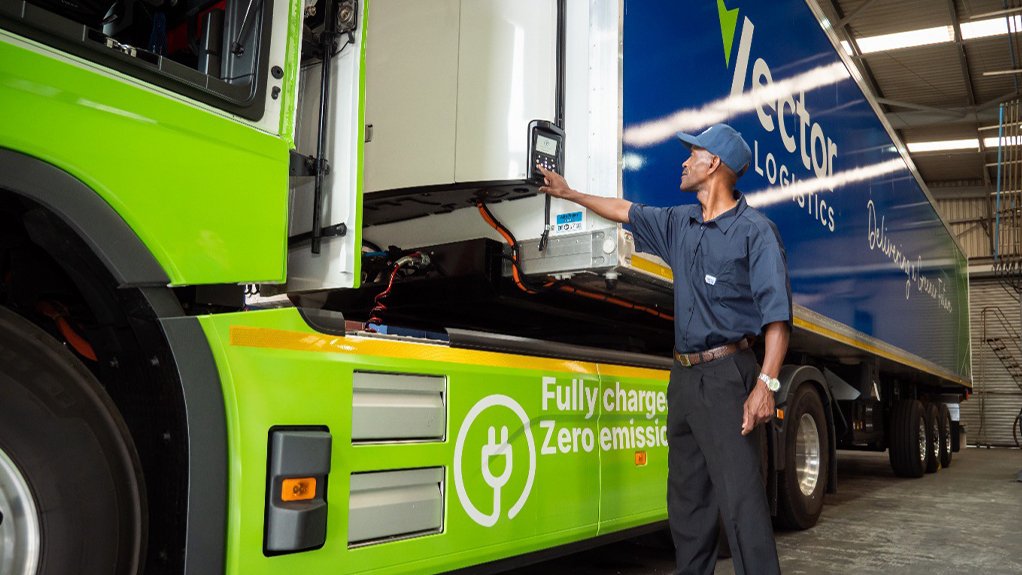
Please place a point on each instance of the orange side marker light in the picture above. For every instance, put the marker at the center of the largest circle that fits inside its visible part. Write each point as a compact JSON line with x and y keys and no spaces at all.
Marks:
{"x":780,"y":414}
{"x":640,"y":458}
{"x":298,"y":489}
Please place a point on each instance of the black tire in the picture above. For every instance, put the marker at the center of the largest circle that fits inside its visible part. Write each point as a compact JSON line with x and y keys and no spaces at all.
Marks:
{"x":797,"y":509}
{"x":908,"y":459}
{"x":956,"y":436}
{"x":932,"y":413}
{"x":70,"y":447}
{"x":946,"y":449}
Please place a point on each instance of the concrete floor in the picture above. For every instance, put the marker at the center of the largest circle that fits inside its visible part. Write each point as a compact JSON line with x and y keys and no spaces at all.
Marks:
{"x":964,"y":519}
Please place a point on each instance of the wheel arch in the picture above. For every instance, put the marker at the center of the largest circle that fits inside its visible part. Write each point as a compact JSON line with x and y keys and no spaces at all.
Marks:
{"x":92,"y":219}
{"x":119,"y":252}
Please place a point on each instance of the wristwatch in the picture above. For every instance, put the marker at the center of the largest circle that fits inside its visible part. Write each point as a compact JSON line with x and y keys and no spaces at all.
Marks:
{"x":772,"y":383}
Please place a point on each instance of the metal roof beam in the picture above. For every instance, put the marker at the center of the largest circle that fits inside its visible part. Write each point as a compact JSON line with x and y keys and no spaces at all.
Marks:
{"x":963,"y":59}
{"x":1000,"y":100}
{"x":957,"y":112}
{"x":846,"y":19}
{"x":987,"y":111}
{"x":953,"y":191}
{"x":924,"y":118}
{"x":842,"y":30}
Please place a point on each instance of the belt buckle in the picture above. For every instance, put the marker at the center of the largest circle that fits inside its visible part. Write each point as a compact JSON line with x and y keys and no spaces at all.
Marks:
{"x":683,"y":360}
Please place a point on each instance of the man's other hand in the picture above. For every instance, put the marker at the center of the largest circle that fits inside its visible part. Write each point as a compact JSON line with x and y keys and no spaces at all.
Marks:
{"x":759,"y":407}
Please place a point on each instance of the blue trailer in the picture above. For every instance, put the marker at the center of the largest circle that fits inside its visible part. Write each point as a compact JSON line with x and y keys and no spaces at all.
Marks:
{"x":879,"y":282}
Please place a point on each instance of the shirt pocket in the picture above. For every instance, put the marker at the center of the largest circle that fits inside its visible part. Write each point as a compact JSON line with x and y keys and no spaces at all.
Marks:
{"x":722,"y":282}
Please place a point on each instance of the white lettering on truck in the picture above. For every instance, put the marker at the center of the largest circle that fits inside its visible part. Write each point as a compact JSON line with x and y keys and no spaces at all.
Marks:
{"x":792,"y":120}
{"x":645,"y":428}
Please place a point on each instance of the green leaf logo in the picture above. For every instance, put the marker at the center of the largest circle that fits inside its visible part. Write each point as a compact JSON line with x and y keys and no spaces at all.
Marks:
{"x":728,"y":23}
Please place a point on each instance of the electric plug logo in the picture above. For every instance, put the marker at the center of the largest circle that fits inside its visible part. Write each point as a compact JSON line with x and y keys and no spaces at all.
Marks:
{"x":493,"y":453}
{"x":492,"y":450}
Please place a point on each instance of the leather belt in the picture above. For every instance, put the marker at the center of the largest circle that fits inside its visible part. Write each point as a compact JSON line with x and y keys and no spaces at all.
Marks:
{"x":690,"y":359}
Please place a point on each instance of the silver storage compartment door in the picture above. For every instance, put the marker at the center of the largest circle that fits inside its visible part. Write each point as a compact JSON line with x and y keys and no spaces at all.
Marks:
{"x":393,"y":504}
{"x":398,"y":407}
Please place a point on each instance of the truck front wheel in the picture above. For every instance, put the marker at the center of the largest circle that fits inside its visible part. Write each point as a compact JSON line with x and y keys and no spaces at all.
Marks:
{"x":70,"y":495}
{"x":908,"y":439}
{"x":806,"y":461}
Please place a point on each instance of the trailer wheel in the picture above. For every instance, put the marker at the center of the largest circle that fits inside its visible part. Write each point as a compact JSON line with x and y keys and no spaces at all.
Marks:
{"x":806,"y":461}
{"x":70,"y":495}
{"x":932,"y":437}
{"x":945,"y":435}
{"x":956,"y":436}
{"x":908,"y":439}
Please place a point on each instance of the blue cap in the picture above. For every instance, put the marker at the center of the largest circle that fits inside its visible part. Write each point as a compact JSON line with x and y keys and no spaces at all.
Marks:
{"x":724,"y":142}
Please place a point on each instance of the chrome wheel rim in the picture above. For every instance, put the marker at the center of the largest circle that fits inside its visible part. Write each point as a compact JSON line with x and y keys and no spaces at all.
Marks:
{"x":947,"y":439}
{"x":807,"y":454}
{"x":19,"y":526}
{"x":936,"y":439}
{"x":922,"y":440}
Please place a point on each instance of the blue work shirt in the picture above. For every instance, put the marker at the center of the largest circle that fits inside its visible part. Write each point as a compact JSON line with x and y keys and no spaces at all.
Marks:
{"x":730,"y":273}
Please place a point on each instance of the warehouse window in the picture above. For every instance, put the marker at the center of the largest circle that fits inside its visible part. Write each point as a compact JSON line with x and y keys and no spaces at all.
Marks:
{"x":211,"y":50}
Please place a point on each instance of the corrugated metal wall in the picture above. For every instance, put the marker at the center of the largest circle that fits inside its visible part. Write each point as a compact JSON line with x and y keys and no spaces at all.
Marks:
{"x":966,"y":216}
{"x":989,"y":414}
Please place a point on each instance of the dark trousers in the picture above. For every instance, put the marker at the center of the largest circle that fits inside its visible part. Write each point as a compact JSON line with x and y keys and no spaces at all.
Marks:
{"x":714,"y":470}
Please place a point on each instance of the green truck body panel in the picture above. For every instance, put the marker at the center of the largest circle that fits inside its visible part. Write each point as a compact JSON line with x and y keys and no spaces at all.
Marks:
{"x":205,"y":193}
{"x":587,"y":479}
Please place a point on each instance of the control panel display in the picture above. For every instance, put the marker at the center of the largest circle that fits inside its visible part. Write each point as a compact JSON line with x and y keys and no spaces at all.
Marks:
{"x":546,"y":145}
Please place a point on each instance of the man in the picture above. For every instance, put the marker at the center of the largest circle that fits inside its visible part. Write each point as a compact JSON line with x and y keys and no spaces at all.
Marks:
{"x":730,"y":285}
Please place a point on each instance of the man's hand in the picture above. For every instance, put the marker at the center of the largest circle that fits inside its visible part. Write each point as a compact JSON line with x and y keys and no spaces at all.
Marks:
{"x":614,"y":209}
{"x":759,"y":407}
{"x":556,"y":185}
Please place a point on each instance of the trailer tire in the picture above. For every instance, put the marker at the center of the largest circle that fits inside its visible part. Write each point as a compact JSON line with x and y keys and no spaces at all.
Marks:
{"x":908,"y":439}
{"x":946,"y":449}
{"x":956,"y":436}
{"x":806,"y":461}
{"x":68,"y":467}
{"x":932,"y":437}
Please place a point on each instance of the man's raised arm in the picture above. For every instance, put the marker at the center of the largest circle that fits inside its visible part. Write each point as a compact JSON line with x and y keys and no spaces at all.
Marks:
{"x":614,"y":209}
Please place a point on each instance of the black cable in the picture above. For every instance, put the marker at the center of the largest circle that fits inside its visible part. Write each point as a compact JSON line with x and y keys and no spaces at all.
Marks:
{"x":562,"y":30}
{"x":348,"y":42}
{"x":545,"y":237}
{"x":558,"y":106}
{"x":327,"y":39}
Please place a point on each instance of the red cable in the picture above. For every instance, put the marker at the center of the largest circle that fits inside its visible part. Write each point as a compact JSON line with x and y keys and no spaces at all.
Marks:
{"x":58,"y":313}
{"x":380,"y":307}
